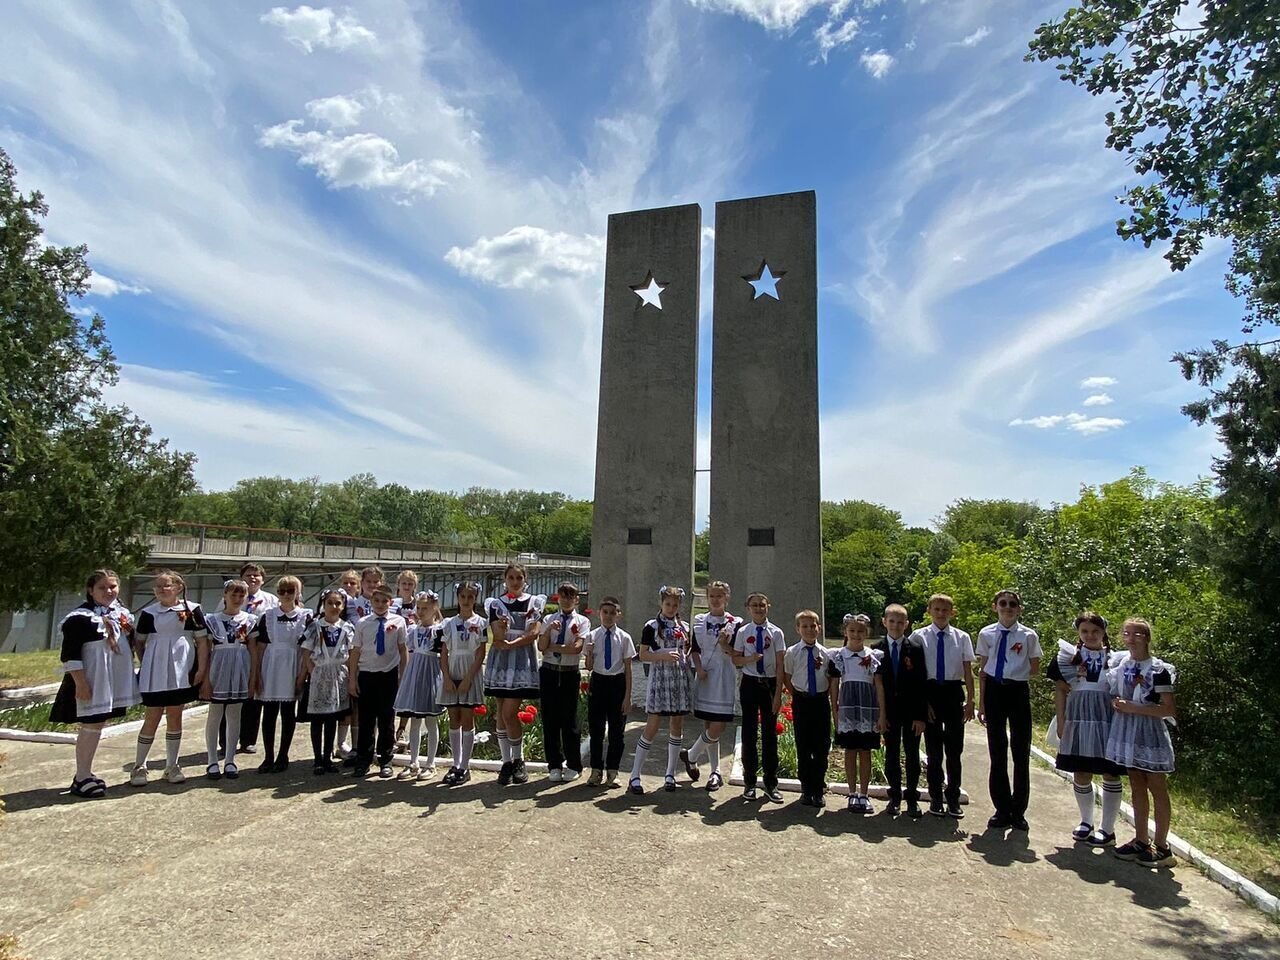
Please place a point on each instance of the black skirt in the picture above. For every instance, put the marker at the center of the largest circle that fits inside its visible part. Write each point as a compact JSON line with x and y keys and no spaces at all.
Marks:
{"x":1076,"y":763}
{"x":858,"y":741}
{"x":171,"y":698}
{"x":714,"y":717}
{"x":65,"y":706}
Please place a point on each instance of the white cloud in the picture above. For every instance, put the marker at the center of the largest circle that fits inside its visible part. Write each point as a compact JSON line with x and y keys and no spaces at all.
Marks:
{"x":975,"y":38}
{"x":1097,"y":400}
{"x":835,"y":33}
{"x":337,"y":112}
{"x":362,"y":160}
{"x":770,"y":14}
{"x":307,"y":28}
{"x":878,"y":64}
{"x":528,"y":257}
{"x":1094,"y":383}
{"x":1040,"y":423}
{"x":1091,"y":425}
{"x":103,"y":286}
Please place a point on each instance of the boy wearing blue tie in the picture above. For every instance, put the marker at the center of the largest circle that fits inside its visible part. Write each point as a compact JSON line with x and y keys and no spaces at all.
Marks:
{"x":609,"y":652}
{"x":903,"y":674}
{"x":948,"y":653}
{"x":1008,"y":656}
{"x":758,"y":648}
{"x":804,"y":674}
{"x":378,"y":656}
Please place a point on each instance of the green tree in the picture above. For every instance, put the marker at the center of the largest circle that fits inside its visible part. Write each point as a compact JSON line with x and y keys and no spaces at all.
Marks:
{"x":971,"y":578}
{"x":702,"y":550}
{"x":567,"y":530}
{"x":990,"y":523}
{"x":81,"y":480}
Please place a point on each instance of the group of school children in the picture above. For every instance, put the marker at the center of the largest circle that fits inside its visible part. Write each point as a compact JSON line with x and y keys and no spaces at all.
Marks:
{"x":367,"y":656}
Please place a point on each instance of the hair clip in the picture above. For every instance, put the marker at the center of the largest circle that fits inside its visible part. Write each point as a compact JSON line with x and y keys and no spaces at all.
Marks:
{"x":856,"y":618}
{"x":328,"y":591}
{"x":671,"y":592}
{"x":471,"y":585}
{"x":426,"y":595}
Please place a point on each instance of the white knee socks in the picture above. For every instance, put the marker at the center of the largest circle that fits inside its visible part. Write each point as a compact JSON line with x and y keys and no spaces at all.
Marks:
{"x":86,"y":746}
{"x":642,"y":751}
{"x":504,"y":745}
{"x":674,"y":746}
{"x":144,"y":747}
{"x":455,"y":747}
{"x":1111,"y":795}
{"x":433,"y":740}
{"x":468,"y":741}
{"x":1084,"y":800}
{"x":172,"y":743}
{"x":713,"y":754}
{"x":213,"y":719}
{"x":517,"y":748}
{"x":415,"y":740}
{"x":698,"y":746}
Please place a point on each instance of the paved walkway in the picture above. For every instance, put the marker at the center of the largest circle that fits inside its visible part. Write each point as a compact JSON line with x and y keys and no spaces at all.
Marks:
{"x":296,"y":866}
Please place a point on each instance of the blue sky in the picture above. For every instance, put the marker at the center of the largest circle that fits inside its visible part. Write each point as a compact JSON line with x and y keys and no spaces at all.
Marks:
{"x":370,"y":238}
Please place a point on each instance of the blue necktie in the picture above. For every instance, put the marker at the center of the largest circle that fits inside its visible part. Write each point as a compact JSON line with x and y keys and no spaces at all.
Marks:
{"x":760,"y":650}
{"x":564,"y":625}
{"x":608,"y":649}
{"x":1000,"y":654}
{"x":893,"y":649}
{"x":381,"y":646}
{"x":813,"y":672}
{"x":942,"y":656}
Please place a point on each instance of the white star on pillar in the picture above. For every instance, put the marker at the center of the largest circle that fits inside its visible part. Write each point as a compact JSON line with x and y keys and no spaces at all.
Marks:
{"x":765,"y":283}
{"x":650,"y":291}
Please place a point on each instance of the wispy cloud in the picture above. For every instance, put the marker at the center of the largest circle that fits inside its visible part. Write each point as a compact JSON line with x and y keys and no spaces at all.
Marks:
{"x":1077,"y":422}
{"x":975,"y":38}
{"x":308,"y":28}
{"x":1097,"y":400}
{"x":337,"y":112}
{"x":104,"y":286}
{"x":878,"y":64}
{"x":528,"y":257}
{"x":1040,"y":423}
{"x":1095,"y":383}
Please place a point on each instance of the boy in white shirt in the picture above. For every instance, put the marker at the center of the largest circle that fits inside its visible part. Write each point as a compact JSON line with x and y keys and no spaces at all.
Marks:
{"x":378,"y":657}
{"x":559,"y":678}
{"x":804,"y":674}
{"x":609,"y":651}
{"x":758,"y":647}
{"x":1008,"y":656}
{"x":948,"y":653}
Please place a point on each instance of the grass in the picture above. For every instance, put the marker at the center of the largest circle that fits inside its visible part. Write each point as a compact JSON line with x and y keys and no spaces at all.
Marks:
{"x":35,"y":717}
{"x":1244,"y":841}
{"x":29,"y":669}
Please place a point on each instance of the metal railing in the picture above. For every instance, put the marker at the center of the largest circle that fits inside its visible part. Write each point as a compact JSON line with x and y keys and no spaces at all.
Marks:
{"x":215,"y":541}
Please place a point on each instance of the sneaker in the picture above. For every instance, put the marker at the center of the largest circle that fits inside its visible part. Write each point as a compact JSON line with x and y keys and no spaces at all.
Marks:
{"x":913,"y":810}
{"x":464,"y":776}
{"x":669,"y":784}
{"x":851,"y":805}
{"x":504,"y":774}
{"x":1131,"y":850}
{"x":1000,"y":821}
{"x":409,"y":773}
{"x":1020,"y":823}
{"x":748,"y":793}
{"x":937,"y":809}
{"x":611,"y":778}
{"x":386,"y":772}
{"x":893,"y":808}
{"x":1154,"y":856}
{"x":1082,"y":833}
{"x":341,"y":751}
{"x":213,"y":772}
{"x":714,"y":782}
{"x":175,"y":774}
{"x":954,"y":811}
{"x":690,"y":767}
{"x":556,"y":775}
{"x":596,"y":778}
{"x":571,"y":775}
{"x":426,"y":773}
{"x":1100,"y":839}
{"x":867,"y":806}
{"x":773,"y":794}
{"x":635,"y":786}
{"x":230,"y":771}
{"x":518,"y":772}
{"x":450,"y":777}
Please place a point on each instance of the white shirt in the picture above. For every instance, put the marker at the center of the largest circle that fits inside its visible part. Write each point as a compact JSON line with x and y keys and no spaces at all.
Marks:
{"x":795,"y":662}
{"x":260,"y":603}
{"x":745,"y":642}
{"x":1021,"y":647}
{"x":366,"y":641}
{"x":957,"y":651}
{"x":576,"y":625}
{"x":622,"y":650}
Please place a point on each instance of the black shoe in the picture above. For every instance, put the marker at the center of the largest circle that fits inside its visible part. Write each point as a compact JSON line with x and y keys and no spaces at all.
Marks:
{"x":361,"y":771}
{"x":773,"y":794}
{"x":913,"y":810}
{"x":669,"y":784}
{"x":714,"y":782}
{"x":385,"y":771}
{"x":318,"y":769}
{"x":1020,"y":823}
{"x":267,"y":766}
{"x":351,"y":761}
{"x":518,"y":772}
{"x":281,"y":765}
{"x":635,"y":786}
{"x":937,"y":809}
{"x":464,"y":776}
{"x":450,"y":777}
{"x":999,"y":821}
{"x":893,"y":808}
{"x":331,"y":767}
{"x":504,"y":774}
{"x":954,"y":811}
{"x":748,"y":793}
{"x":689,"y":767}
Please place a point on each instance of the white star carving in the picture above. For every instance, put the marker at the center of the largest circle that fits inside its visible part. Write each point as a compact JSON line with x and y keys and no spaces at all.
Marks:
{"x":650,"y":291}
{"x":765,"y":283}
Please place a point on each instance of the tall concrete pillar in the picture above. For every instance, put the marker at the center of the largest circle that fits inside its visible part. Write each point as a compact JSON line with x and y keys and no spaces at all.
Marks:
{"x":646,"y":442}
{"x":766,"y":532}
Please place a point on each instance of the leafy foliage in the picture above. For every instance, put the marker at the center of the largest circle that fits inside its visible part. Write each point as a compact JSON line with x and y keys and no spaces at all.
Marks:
{"x":80,"y":480}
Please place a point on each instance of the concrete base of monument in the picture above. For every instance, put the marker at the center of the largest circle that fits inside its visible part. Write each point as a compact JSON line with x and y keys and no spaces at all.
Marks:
{"x":877,"y":791}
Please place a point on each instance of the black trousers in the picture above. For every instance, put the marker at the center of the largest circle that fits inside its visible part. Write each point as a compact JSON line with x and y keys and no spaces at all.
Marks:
{"x":813,"y":740}
{"x":561,"y":735}
{"x":945,"y":735}
{"x":250,"y":722}
{"x":901,"y":744}
{"x":756,"y":694}
{"x":1007,"y":707}
{"x":605,"y":709}
{"x":377,"y":716}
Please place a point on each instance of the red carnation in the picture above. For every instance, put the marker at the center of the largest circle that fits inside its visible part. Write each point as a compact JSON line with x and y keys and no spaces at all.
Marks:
{"x":525,"y":717}
{"x":1017,"y":647}
{"x":780,"y":727}
{"x":584,"y":686}
{"x":481,"y":710}
{"x":532,"y":709}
